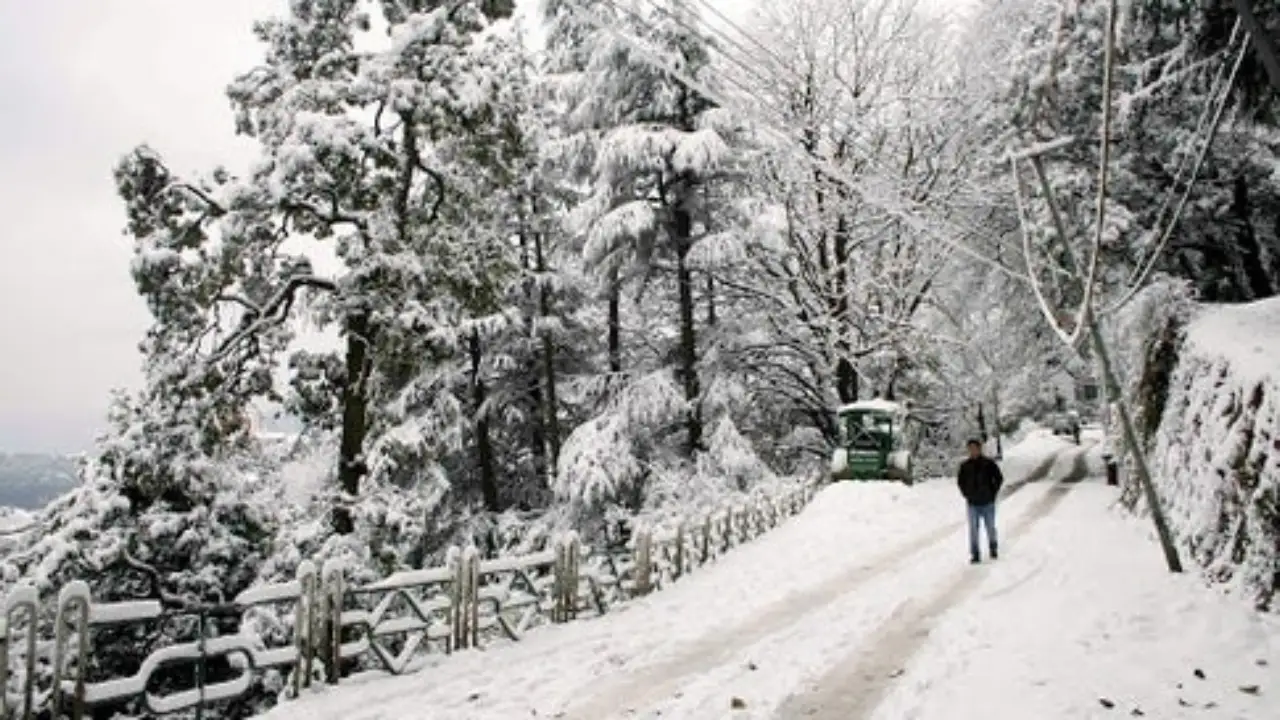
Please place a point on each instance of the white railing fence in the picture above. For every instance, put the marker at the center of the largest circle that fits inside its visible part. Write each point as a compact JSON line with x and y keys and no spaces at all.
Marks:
{"x":283,"y":637}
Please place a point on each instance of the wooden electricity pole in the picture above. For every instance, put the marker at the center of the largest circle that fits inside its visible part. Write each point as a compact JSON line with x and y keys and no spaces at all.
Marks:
{"x":1087,"y":317}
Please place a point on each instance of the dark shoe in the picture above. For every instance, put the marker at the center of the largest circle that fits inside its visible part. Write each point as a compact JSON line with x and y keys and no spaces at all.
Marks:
{"x":975,"y":560}
{"x":994,"y":554}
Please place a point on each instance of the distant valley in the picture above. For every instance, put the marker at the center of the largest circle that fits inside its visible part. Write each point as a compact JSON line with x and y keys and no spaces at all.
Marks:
{"x":30,"y":481}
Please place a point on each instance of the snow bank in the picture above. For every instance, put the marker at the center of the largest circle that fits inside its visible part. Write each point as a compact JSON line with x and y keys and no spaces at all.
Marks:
{"x":1216,"y":452}
{"x":1030,"y":451}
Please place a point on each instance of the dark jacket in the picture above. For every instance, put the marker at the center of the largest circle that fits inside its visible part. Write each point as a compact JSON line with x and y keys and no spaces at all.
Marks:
{"x":980,"y":480}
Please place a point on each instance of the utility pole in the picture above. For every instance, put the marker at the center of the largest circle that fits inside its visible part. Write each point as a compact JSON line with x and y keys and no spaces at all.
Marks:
{"x":1115,"y":394}
{"x":1087,"y":317}
{"x":1262,"y":41}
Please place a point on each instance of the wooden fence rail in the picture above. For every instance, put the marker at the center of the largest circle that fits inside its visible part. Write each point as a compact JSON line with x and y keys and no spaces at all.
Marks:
{"x":317,"y":628}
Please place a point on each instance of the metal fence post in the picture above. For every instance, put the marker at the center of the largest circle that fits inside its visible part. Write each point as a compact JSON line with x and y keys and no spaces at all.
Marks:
{"x":463,"y":611}
{"x":558,"y":572}
{"x":332,"y":593}
{"x":303,"y":625}
{"x":680,"y":533}
{"x":73,"y":607}
{"x":4,"y":667}
{"x":201,"y":669}
{"x":643,"y":562}
{"x":566,"y":578}
{"x":453,"y":561}
{"x":471,"y":600}
{"x":21,"y":600}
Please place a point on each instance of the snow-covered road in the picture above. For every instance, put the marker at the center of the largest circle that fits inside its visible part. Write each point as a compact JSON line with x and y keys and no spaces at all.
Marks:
{"x":865,"y":606}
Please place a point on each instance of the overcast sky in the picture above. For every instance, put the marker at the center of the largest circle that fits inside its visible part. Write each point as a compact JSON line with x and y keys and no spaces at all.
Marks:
{"x":81,"y":83}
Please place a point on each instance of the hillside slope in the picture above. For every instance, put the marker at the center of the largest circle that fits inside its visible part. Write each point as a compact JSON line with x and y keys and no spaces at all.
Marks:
{"x":1216,"y":453}
{"x":31,"y":480}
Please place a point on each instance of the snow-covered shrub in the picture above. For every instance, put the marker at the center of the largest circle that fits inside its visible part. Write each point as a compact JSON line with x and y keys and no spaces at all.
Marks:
{"x":1146,"y":336}
{"x":607,"y":459}
{"x":617,"y":469}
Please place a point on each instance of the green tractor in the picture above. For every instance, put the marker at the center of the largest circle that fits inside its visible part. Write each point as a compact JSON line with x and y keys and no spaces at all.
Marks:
{"x":874,"y":442}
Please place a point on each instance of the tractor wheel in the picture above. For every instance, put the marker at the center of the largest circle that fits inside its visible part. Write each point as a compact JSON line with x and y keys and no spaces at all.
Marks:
{"x":901,"y":470}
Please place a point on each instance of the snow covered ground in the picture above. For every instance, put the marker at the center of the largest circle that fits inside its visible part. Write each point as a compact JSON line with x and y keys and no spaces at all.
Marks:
{"x":865,"y":606}
{"x":1081,"y":614}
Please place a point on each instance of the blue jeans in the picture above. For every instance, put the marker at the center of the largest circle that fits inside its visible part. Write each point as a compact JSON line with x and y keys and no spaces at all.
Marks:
{"x":986,"y":514}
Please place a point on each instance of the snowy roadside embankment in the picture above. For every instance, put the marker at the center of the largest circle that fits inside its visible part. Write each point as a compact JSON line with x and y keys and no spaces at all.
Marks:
{"x":1216,"y":453}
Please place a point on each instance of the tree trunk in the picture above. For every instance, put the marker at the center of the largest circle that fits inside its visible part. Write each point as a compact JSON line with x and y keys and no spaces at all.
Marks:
{"x":550,"y":396}
{"x":537,"y":422}
{"x":530,"y":263}
{"x":846,"y":373}
{"x":682,"y":232}
{"x":711,"y":300}
{"x":995,"y":423}
{"x":846,"y":380}
{"x":1254,"y":269}
{"x":615,"y":323}
{"x":355,"y":417}
{"x":484,"y":443}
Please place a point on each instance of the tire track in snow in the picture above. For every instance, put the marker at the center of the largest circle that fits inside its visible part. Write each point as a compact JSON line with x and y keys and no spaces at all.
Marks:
{"x":647,"y":684}
{"x":857,"y":685}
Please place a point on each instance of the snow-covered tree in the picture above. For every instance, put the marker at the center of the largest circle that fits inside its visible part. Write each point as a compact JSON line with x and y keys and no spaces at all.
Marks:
{"x":858,"y":92}
{"x":658,"y":172}
{"x":366,"y":216}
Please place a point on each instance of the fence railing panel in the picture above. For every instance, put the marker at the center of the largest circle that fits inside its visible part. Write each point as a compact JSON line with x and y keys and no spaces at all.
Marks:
{"x":318,"y":627}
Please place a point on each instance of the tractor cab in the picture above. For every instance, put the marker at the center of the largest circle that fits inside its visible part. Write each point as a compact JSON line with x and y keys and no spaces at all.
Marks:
{"x":873,"y":443}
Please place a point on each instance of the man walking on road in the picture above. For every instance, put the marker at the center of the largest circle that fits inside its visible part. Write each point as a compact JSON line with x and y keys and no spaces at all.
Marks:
{"x":980,"y":480}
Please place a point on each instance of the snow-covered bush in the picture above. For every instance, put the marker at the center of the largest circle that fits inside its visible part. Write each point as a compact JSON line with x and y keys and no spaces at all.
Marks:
{"x":1146,"y":334}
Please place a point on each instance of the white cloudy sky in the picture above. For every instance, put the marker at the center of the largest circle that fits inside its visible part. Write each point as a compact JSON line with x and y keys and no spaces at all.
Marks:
{"x":82,"y":82}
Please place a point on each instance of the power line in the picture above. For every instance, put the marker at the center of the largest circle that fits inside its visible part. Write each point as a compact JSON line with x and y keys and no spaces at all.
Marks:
{"x":1212,"y":108}
{"x":1137,"y":281}
{"x":780,"y":65}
